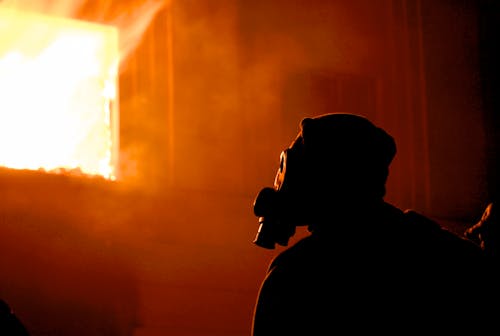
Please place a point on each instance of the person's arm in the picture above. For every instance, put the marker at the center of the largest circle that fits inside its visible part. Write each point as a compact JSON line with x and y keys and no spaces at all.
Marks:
{"x":486,"y":232}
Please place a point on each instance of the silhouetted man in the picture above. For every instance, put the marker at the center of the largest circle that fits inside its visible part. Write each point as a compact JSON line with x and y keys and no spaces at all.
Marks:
{"x":367,"y":267}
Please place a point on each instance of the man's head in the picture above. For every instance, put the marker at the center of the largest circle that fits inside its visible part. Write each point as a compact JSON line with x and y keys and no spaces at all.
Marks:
{"x":337,"y":162}
{"x":343,"y":156}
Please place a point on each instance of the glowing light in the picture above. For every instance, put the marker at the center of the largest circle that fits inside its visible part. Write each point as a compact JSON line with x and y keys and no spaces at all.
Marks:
{"x":59,"y":94}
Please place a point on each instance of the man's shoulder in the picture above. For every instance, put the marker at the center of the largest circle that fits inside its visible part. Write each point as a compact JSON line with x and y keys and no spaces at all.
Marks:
{"x":443,"y":246}
{"x":430,"y":228}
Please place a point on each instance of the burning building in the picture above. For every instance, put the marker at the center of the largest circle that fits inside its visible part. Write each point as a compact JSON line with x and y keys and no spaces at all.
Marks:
{"x":135,"y":134}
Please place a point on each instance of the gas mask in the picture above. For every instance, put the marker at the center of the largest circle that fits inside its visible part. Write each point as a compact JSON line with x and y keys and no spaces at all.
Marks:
{"x":281,"y":208}
{"x":337,"y":161}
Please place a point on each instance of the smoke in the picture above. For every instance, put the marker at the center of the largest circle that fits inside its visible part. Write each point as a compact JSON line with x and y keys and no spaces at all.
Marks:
{"x":133,"y":22}
{"x":132,"y":18}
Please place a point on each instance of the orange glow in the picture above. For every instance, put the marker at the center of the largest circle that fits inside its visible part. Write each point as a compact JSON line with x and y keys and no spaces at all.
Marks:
{"x":59,"y":94}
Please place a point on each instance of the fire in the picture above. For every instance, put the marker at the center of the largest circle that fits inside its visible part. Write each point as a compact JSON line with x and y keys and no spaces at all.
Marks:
{"x":58,"y":94}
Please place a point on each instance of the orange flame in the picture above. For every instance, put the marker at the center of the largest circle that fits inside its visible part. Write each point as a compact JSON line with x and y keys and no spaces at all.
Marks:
{"x":58,"y":78}
{"x":58,"y":81}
